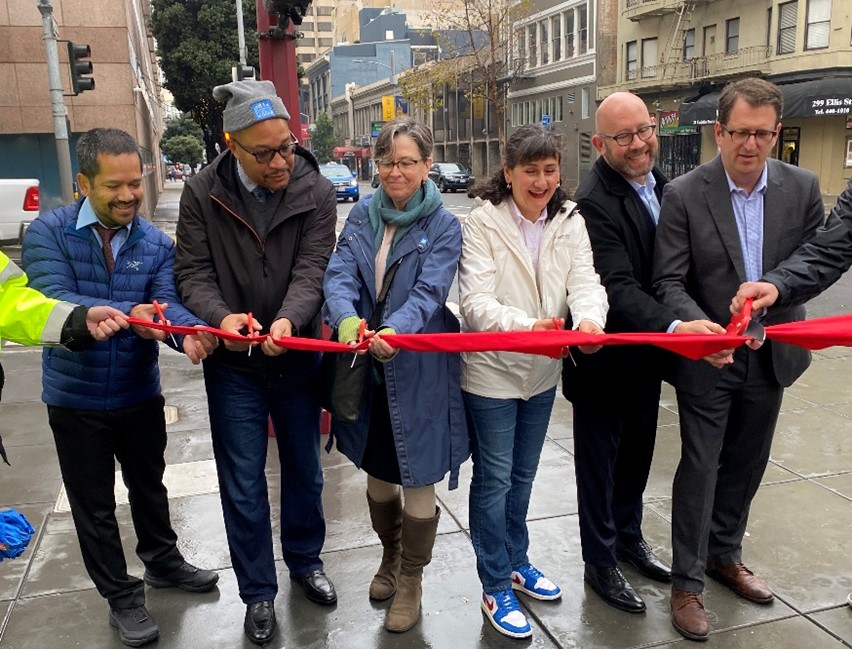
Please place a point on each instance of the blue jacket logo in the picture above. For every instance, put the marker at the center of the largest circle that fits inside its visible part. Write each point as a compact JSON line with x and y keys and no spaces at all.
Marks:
{"x":133,"y":265}
{"x":424,"y":241}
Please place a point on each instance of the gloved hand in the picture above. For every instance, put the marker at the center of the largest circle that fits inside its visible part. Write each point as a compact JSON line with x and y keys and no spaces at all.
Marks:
{"x":347,"y":330}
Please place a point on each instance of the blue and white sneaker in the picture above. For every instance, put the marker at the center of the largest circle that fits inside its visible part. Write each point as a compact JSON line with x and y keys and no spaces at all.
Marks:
{"x":529,"y":580}
{"x":504,"y":613}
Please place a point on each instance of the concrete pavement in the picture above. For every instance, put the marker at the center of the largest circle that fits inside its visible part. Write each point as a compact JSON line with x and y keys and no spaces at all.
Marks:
{"x":800,"y":536}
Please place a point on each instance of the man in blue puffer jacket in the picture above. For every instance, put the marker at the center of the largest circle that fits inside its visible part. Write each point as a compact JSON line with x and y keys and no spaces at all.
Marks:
{"x":105,"y":404}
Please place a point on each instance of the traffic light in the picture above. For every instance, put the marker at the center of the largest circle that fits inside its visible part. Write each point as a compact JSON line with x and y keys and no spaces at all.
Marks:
{"x":79,"y":67}
{"x":243,"y":73}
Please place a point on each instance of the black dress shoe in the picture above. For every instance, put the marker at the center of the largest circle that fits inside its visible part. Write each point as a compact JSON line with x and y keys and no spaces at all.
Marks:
{"x":613,"y":588}
{"x":260,"y":624}
{"x":642,"y":557}
{"x":318,"y":588}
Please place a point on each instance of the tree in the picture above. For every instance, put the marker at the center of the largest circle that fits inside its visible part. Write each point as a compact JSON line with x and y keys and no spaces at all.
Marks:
{"x":322,"y":138}
{"x":183,"y":148}
{"x":197,"y":45}
{"x":182,"y":125}
{"x":476,"y":40}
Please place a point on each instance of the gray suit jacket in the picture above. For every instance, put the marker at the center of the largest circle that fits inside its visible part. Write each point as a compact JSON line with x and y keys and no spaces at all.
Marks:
{"x":698,"y":261}
{"x":821,"y":261}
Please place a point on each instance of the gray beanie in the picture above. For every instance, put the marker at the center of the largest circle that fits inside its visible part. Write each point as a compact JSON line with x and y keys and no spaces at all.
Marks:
{"x":248,"y":102}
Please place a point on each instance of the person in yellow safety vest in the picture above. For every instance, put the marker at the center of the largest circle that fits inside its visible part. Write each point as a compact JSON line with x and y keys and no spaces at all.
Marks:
{"x":29,"y":318}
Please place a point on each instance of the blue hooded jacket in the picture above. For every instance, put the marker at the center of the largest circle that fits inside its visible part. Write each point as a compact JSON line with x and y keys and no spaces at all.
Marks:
{"x":68,"y":264}
{"x":424,"y":391}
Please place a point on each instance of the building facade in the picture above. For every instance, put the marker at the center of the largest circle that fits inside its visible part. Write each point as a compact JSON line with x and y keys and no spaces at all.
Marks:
{"x":126,"y":94}
{"x":555,"y":69}
{"x":677,"y":55}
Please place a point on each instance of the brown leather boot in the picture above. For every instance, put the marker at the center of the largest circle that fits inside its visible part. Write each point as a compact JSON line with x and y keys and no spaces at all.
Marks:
{"x":387,"y":523}
{"x":688,"y":615}
{"x":741,"y":580}
{"x":418,"y":538}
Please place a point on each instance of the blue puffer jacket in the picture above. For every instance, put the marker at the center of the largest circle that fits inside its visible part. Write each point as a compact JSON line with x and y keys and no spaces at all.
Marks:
{"x":68,"y":264}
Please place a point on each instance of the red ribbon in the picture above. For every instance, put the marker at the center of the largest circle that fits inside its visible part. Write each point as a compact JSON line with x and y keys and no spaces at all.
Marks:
{"x":810,"y":334}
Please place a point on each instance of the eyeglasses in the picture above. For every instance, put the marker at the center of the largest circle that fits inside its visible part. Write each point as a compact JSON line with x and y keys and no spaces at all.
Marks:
{"x":265,"y":157}
{"x":741,"y":137}
{"x":626,"y":139}
{"x":406,"y":164}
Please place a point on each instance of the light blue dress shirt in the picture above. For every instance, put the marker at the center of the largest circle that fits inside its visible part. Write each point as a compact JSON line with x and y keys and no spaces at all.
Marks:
{"x":87,"y":217}
{"x":748,"y":212}
{"x":648,"y":195}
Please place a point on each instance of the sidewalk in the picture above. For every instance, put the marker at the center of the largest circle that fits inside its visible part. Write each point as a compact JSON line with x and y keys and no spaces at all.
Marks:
{"x":800,"y":538}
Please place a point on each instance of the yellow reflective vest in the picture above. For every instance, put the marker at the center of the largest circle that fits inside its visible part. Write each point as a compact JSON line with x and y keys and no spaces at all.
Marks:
{"x":27,"y":316}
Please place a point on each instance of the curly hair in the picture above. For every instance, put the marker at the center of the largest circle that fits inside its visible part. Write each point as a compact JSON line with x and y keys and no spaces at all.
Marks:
{"x":529,"y":143}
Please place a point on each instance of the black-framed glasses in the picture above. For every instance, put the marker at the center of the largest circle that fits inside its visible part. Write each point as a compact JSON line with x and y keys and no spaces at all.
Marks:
{"x":265,"y":157}
{"x":406,"y":164}
{"x":761,"y":136}
{"x":626,"y":138}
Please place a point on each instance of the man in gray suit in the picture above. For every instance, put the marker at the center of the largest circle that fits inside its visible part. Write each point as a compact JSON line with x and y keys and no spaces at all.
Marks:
{"x":726,"y":222}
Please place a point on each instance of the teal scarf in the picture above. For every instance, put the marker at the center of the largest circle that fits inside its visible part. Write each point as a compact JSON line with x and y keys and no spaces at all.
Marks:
{"x":425,"y":201}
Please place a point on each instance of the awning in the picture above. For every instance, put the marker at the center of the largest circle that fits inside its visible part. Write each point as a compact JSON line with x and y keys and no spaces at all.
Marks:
{"x":803,"y":99}
{"x":701,"y":110}
{"x":818,"y":97}
{"x":352,"y":152}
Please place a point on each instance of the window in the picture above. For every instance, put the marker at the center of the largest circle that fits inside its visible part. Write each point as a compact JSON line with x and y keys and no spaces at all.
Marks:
{"x":522,"y":50}
{"x":326,"y":42}
{"x":631,"y":59}
{"x":582,"y":29}
{"x":531,"y":42}
{"x":584,"y":103}
{"x":817,"y":24}
{"x":569,"y":34}
{"x":732,"y":35}
{"x":649,"y":57}
{"x":545,"y":55}
{"x":326,"y":27}
{"x":689,"y":44}
{"x":768,"y":27}
{"x":556,"y":109}
{"x":787,"y":28}
{"x":556,"y":35}
{"x":307,"y":26}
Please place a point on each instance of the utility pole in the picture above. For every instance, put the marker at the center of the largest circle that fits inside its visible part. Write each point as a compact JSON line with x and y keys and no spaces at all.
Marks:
{"x":277,"y":51}
{"x":60,"y":113}
{"x":241,"y":35}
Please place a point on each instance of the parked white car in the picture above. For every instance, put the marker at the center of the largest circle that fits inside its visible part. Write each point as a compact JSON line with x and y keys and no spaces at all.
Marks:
{"x":19,"y":205}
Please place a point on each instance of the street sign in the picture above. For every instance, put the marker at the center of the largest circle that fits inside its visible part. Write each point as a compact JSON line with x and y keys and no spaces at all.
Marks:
{"x":375,"y":127}
{"x":545,"y":120}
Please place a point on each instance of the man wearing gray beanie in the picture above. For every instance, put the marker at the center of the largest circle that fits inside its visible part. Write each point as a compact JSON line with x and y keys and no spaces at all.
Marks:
{"x":255,"y":232}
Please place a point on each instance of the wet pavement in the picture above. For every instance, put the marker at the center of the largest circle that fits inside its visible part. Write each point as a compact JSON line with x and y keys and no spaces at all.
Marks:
{"x":799,"y":538}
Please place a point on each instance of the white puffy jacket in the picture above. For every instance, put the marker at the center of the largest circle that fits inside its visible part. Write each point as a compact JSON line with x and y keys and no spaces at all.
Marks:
{"x":500,"y":291}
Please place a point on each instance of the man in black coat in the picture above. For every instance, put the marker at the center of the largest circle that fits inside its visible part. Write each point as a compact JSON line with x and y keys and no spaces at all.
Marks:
{"x":616,"y":392}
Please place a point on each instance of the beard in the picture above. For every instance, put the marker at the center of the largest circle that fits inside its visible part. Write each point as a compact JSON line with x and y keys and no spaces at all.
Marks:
{"x":631,"y":171}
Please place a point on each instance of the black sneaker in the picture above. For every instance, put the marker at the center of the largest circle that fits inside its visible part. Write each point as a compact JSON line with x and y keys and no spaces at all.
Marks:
{"x":135,"y":625}
{"x":187,"y":577}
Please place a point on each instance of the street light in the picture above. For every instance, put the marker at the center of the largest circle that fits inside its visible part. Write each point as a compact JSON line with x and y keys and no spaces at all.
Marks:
{"x":391,"y":67}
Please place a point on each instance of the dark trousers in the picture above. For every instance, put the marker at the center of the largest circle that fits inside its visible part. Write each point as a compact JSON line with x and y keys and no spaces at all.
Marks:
{"x":88,"y":442}
{"x":240,"y":404}
{"x":613,"y":449}
{"x":726,"y":435}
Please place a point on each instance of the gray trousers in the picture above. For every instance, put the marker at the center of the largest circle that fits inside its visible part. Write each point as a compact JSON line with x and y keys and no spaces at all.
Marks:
{"x":726,"y":435}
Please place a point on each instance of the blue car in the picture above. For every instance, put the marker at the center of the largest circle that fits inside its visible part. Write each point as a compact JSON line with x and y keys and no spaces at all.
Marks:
{"x":345,"y":184}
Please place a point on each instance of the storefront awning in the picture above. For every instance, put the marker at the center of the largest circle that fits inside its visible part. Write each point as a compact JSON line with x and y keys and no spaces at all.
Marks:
{"x":803,"y":99}
{"x":352,"y":152}
{"x":818,"y":97}
{"x":701,"y":110}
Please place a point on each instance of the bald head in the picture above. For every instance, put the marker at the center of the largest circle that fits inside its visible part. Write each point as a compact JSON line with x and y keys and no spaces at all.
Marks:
{"x":625,"y":113}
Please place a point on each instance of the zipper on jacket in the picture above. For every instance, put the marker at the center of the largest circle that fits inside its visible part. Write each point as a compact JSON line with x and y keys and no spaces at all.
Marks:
{"x":264,"y":263}
{"x":241,"y":220}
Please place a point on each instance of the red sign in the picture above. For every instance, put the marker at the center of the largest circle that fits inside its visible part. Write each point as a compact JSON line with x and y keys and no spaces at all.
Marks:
{"x":306,"y":134}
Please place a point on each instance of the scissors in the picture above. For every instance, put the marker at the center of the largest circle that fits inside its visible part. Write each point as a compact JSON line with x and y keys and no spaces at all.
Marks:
{"x":162,"y":318}
{"x":361,"y":329}
{"x":743,"y":325}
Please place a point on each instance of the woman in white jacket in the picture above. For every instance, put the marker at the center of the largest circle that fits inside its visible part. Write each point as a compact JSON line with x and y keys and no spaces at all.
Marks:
{"x":526,"y":265}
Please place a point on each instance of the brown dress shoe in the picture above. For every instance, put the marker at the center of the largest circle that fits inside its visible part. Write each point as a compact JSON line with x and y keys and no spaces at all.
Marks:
{"x":688,"y":616}
{"x":741,"y":580}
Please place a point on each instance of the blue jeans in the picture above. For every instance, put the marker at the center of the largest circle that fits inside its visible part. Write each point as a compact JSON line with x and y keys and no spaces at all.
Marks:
{"x":240,"y":404}
{"x":506,"y":438}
